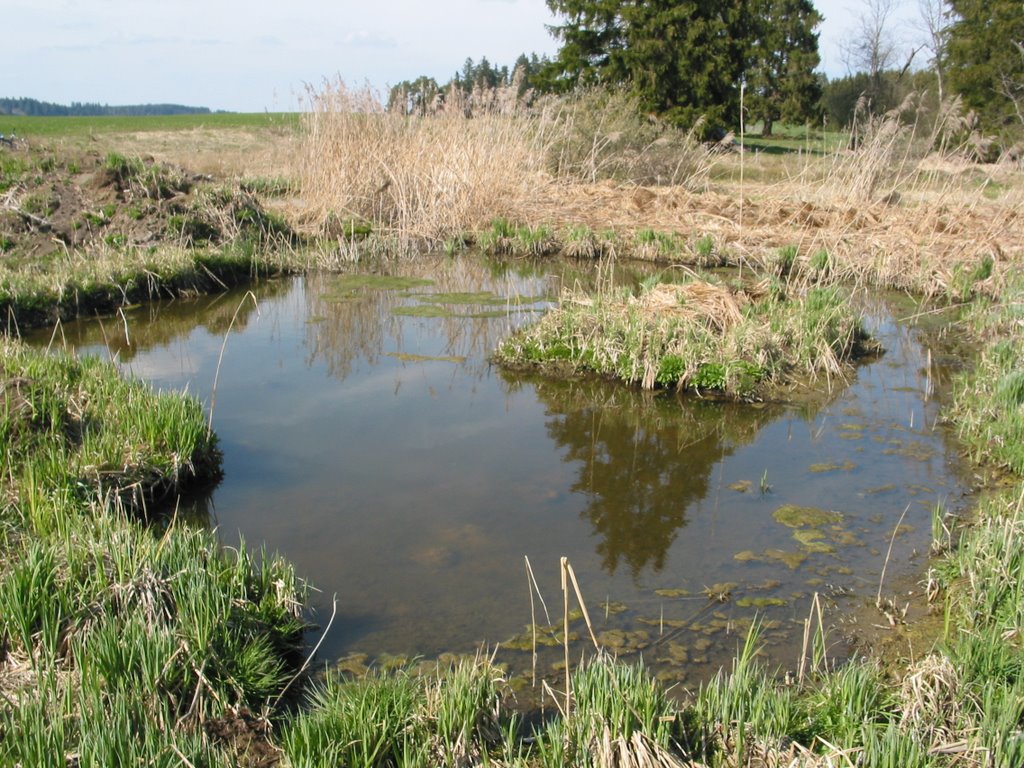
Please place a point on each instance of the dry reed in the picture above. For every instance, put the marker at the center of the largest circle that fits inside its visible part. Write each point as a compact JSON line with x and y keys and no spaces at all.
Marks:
{"x":892,"y":213}
{"x":425,"y":177}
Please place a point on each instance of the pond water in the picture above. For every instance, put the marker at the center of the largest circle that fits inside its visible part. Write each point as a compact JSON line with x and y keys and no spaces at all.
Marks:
{"x":367,"y":438}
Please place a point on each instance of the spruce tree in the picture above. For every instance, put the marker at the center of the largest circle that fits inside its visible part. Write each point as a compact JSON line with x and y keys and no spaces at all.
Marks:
{"x":985,"y":60}
{"x":593,"y":37}
{"x":685,"y":59}
{"x":781,"y":83}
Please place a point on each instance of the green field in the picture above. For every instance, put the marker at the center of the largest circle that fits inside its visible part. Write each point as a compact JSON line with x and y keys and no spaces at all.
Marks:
{"x":53,"y":127}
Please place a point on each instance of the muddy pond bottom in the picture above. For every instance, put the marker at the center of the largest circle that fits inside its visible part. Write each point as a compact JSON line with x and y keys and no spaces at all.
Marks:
{"x":367,"y":439}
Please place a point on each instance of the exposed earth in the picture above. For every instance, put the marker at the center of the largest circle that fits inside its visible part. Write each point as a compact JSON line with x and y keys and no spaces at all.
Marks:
{"x":63,"y":199}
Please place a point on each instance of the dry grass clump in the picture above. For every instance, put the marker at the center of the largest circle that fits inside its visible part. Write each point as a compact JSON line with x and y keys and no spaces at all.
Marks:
{"x":425,"y":177}
{"x":602,"y":134}
{"x":713,"y":306}
{"x":931,"y":701}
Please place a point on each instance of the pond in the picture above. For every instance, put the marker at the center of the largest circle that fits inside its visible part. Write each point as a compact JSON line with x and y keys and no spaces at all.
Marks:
{"x":367,"y":438}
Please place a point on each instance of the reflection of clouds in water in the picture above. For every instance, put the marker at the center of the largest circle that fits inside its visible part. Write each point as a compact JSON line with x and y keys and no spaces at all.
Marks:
{"x":170,"y":369}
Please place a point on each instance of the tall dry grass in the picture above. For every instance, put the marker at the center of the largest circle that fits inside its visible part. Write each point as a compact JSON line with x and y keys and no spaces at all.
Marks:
{"x":425,"y":178}
{"x":467,"y":159}
{"x":601,"y":133}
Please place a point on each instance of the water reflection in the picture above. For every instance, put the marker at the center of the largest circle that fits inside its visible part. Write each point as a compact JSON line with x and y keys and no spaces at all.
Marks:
{"x":147,"y":327}
{"x":349,"y":324}
{"x":642,"y":460}
{"x":368,"y":440}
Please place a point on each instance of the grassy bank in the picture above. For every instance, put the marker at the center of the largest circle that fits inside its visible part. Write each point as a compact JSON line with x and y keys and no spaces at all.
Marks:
{"x":84,"y":234}
{"x":122,"y":639}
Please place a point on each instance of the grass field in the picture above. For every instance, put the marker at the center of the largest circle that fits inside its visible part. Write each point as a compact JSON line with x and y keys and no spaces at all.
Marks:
{"x":31,"y":128}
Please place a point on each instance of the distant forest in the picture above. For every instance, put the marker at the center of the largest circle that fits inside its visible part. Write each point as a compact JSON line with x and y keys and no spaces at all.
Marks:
{"x":35,"y":108}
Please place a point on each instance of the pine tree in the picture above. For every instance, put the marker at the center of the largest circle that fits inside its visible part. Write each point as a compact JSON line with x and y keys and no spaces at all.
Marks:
{"x":685,"y":59}
{"x":985,"y":59}
{"x":593,"y":37}
{"x":781,"y":83}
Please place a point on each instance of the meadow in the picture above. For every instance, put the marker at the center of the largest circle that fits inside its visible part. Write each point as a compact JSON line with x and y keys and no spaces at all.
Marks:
{"x":128,"y":637}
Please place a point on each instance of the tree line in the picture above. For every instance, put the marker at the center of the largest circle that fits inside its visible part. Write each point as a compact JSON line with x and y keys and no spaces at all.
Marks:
{"x":36,"y":108}
{"x":719,"y":60}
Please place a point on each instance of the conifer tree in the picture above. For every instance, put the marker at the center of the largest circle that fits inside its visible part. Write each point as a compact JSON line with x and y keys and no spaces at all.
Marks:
{"x":781,"y":83}
{"x":685,"y":59}
{"x":985,"y":59}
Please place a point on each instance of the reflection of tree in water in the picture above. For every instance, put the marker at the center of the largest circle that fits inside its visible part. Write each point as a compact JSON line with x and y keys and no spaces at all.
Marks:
{"x":342,"y":328}
{"x":361,"y":324}
{"x":643,"y":460}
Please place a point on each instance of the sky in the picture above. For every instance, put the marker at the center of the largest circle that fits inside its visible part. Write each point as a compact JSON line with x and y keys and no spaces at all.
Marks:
{"x":263,"y":55}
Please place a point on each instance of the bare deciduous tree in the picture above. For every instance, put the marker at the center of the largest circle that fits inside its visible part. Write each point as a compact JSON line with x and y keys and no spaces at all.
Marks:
{"x":935,"y":17}
{"x":873,"y":48}
{"x":1012,"y":84}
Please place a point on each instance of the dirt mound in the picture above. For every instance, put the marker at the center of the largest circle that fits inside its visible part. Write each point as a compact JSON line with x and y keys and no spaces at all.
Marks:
{"x":56,"y":200}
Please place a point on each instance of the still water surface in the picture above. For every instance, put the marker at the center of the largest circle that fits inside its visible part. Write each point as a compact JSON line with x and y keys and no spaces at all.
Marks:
{"x":367,"y":438}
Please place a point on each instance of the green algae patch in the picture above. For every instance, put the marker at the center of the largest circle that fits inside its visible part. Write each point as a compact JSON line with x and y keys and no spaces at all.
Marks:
{"x":880,"y":489}
{"x":623,"y":641}
{"x":423,"y":310}
{"x":676,"y":654}
{"x":441,"y":310}
{"x":355,"y":665}
{"x":611,"y":608}
{"x":721,"y":591}
{"x":480,"y":298}
{"x":665,"y":623}
{"x":351,"y":287}
{"x":812,"y":540}
{"x":380,"y":282}
{"x":846,"y":539}
{"x":760,"y":602}
{"x":673,"y":592}
{"x":793,"y":516}
{"x":546,"y":637}
{"x":831,"y":466}
{"x":740,"y":486}
{"x":444,"y":304}
{"x":406,"y":357}
{"x":792,"y":560}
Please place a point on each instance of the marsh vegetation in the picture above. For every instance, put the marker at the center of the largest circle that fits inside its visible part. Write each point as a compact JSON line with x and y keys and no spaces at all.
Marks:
{"x":128,"y":636}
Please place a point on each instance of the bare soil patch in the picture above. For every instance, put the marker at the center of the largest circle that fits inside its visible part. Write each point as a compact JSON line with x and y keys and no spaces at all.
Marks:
{"x":65,"y":198}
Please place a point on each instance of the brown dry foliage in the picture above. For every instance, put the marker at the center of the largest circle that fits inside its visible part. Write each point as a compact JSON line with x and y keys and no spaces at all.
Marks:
{"x":424,"y":177}
{"x":893,"y":212}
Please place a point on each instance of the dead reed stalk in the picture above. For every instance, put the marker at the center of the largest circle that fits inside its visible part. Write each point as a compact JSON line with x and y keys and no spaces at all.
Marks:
{"x":425,"y":177}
